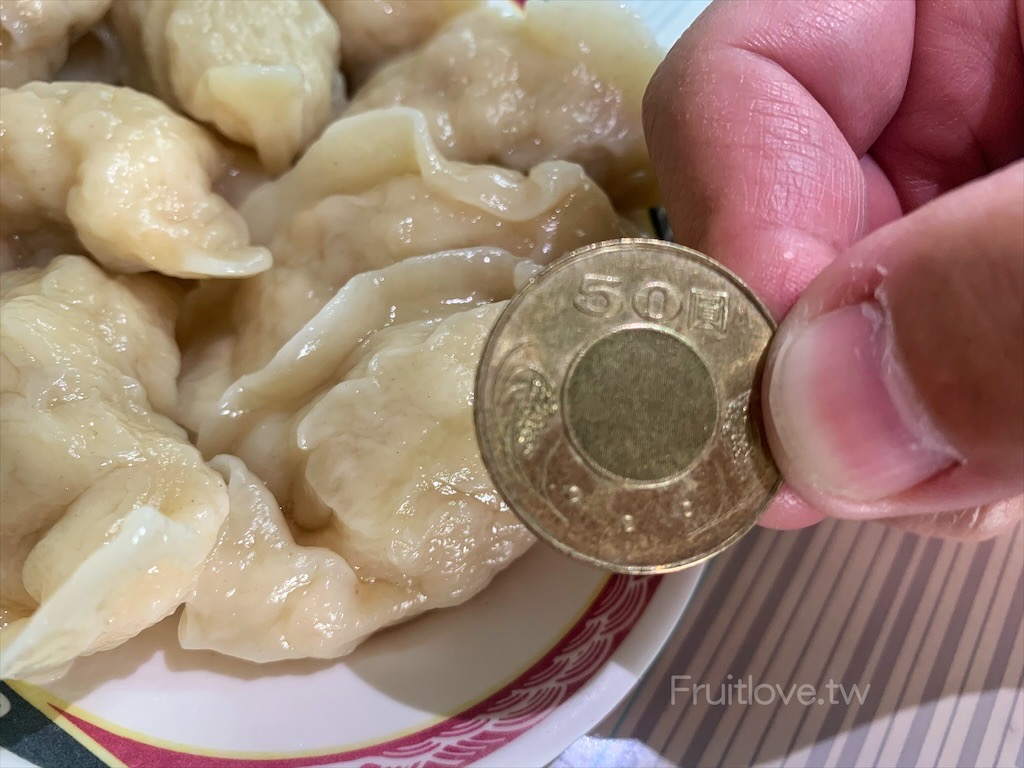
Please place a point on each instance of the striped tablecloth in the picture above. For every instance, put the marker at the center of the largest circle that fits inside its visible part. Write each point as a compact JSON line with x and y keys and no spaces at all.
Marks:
{"x":913,"y":648}
{"x":841,"y":645}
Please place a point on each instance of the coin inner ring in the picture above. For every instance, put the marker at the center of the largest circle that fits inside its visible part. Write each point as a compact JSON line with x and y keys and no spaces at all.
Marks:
{"x":640,"y":404}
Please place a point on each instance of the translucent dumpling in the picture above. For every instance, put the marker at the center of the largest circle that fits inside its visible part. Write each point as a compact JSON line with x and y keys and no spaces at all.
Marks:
{"x":564,"y":81}
{"x":109,"y":512}
{"x":262,"y":597}
{"x":404,"y":517}
{"x":372,"y":191}
{"x":128,"y":175}
{"x":361,"y":428}
{"x":264,"y":72}
{"x":374,"y":31}
{"x":254,"y":416}
{"x":37,"y":35}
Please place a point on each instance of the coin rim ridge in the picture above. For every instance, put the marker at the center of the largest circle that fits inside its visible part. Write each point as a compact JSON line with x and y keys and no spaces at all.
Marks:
{"x":485,"y":358}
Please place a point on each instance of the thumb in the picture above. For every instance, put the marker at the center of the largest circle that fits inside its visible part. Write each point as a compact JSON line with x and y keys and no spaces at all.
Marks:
{"x":895,"y":386}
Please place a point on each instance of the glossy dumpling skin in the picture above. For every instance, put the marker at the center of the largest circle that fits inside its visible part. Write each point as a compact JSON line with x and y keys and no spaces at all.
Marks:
{"x":38,"y":34}
{"x":262,"y":597}
{"x":564,"y":81}
{"x":131,"y":177}
{"x":255,"y":416}
{"x":374,"y":31}
{"x":361,"y":427}
{"x":412,"y":503}
{"x":371,"y":192}
{"x":406,"y":518}
{"x":109,"y":512}
{"x":263,"y":72}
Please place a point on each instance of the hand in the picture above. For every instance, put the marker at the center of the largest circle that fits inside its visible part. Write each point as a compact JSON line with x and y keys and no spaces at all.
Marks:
{"x":858,"y":164}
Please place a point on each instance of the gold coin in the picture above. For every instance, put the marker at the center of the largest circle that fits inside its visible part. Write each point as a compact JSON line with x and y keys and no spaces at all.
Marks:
{"x":617,"y":406}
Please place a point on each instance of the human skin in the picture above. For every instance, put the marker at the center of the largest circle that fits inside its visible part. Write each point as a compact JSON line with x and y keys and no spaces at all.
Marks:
{"x":858,"y":164}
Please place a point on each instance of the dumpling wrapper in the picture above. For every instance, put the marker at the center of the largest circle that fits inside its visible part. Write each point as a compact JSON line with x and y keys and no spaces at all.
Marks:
{"x":412,"y":522}
{"x":371,"y":192}
{"x":262,"y":597}
{"x":374,"y":31}
{"x":411,"y":500}
{"x":109,"y":512}
{"x":361,"y":428}
{"x":564,"y":81}
{"x":263,"y":72}
{"x":131,"y":177}
{"x":255,"y":418}
{"x":37,"y":35}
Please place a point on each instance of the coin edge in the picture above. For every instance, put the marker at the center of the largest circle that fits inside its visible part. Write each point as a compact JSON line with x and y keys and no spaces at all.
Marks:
{"x":486,"y":356}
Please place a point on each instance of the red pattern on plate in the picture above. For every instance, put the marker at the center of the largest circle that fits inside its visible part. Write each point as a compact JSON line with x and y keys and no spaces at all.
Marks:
{"x":468,"y":736}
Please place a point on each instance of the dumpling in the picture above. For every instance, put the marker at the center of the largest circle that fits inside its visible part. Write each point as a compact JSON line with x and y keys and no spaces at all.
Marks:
{"x":358,"y":155}
{"x":130,"y":176}
{"x":564,"y":81}
{"x":381,"y":382}
{"x":264,"y":72}
{"x":413,"y":522}
{"x":109,"y":512}
{"x":250,"y":415}
{"x":392,"y":453}
{"x":370,"y":447}
{"x":374,"y":31}
{"x":372,"y":191}
{"x":37,"y":35}
{"x":262,"y":597}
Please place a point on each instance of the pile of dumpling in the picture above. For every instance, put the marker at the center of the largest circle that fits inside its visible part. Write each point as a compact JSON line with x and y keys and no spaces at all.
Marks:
{"x":251,"y":250}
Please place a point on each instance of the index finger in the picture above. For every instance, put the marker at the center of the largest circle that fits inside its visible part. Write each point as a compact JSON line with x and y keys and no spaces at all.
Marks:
{"x":756,"y":122}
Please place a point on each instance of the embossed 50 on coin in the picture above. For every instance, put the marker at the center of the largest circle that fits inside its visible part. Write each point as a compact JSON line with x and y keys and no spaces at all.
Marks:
{"x":613,"y":406}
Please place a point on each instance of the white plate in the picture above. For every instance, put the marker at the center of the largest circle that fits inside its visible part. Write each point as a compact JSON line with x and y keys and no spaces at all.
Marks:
{"x":510,"y":678}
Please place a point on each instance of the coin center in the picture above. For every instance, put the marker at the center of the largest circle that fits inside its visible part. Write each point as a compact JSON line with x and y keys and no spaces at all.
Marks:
{"x":640,"y":403}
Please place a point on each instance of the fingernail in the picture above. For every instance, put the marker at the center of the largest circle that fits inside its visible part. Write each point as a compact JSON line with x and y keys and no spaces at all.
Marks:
{"x":844,"y":416}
